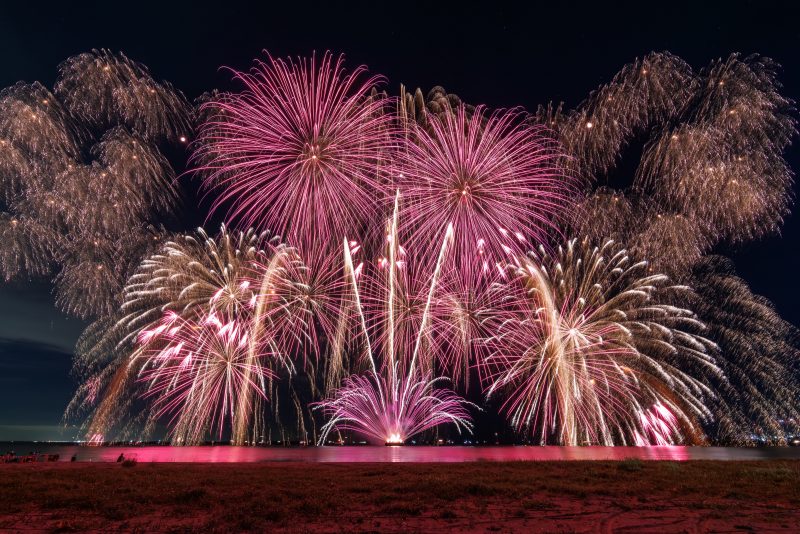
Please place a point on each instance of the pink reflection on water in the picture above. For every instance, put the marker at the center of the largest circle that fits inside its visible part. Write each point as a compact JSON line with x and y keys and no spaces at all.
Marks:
{"x":222,"y":454}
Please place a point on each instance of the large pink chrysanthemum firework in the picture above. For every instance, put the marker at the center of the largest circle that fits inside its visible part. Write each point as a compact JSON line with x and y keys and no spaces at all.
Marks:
{"x":300,"y":151}
{"x":494,"y":177}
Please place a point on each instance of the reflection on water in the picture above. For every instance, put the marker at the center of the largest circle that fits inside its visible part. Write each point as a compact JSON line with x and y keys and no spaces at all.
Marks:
{"x":400,"y":454}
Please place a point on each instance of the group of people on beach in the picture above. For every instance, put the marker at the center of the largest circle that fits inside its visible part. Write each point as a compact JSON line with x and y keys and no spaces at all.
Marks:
{"x":11,"y":457}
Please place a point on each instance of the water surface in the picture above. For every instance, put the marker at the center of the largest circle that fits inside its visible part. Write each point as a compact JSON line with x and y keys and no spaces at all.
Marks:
{"x":225,"y":453}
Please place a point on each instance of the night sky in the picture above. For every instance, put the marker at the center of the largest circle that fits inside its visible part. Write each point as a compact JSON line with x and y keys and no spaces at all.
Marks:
{"x":498,"y":55}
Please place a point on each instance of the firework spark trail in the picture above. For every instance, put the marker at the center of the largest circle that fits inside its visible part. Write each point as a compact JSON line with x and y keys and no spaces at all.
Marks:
{"x":397,"y":400}
{"x":81,"y":176}
{"x":300,"y":151}
{"x":102,"y":90}
{"x":723,"y":166}
{"x":648,"y":92}
{"x":265,"y":304}
{"x":586,"y":340}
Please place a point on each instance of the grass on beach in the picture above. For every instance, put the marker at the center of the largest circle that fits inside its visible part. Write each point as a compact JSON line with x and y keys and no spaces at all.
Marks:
{"x":476,"y":497}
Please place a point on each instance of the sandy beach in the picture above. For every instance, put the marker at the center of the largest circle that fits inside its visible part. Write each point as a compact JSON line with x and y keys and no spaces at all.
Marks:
{"x":627,"y":496}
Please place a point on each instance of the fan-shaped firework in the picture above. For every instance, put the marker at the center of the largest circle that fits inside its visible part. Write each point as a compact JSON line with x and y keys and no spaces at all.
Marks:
{"x":587,"y":347}
{"x":103,"y":90}
{"x":300,"y":150}
{"x":586,"y":344}
{"x":487,"y":175}
{"x":393,"y":410}
{"x":757,"y":352}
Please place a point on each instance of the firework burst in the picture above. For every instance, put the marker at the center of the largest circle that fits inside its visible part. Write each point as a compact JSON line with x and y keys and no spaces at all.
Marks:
{"x":300,"y":151}
{"x":199,"y":371}
{"x":712,"y":170}
{"x":102,"y":90}
{"x":28,"y":247}
{"x":490,"y":176}
{"x":757,"y":350}
{"x":80,"y":189}
{"x":234,"y":275}
{"x":588,"y":349}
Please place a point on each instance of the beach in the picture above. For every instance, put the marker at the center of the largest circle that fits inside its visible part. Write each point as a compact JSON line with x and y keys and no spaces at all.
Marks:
{"x":576,"y":496}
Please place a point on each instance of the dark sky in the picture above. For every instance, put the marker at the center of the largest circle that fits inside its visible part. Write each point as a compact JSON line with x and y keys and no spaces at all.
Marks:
{"x":498,"y":54}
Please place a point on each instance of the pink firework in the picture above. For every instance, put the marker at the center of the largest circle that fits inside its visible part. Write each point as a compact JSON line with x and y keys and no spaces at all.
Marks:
{"x":300,"y":151}
{"x":392,"y":410}
{"x":199,"y":370}
{"x":497,"y":179}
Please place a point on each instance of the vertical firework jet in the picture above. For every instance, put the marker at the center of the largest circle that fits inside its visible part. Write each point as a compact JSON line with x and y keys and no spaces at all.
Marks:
{"x":398,"y":397}
{"x":588,"y":349}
